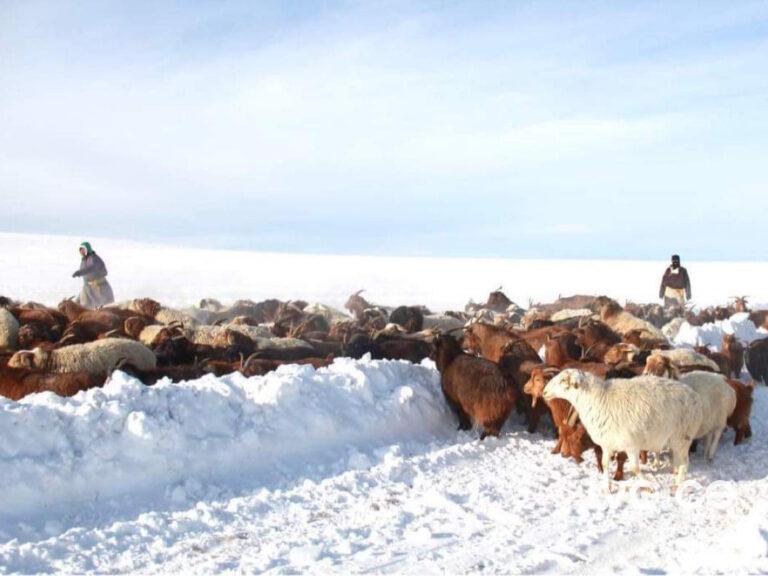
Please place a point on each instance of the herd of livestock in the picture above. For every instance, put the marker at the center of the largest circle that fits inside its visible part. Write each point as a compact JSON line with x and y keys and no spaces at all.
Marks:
{"x":607,"y":375}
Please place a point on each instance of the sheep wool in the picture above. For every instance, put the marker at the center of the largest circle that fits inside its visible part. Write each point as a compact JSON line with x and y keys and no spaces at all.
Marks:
{"x":718,"y":403}
{"x":622,"y":415}
{"x":97,"y":358}
{"x":9,"y":331}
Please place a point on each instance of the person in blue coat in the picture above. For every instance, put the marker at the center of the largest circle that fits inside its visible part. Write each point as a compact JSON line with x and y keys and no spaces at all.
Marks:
{"x":96,"y":290}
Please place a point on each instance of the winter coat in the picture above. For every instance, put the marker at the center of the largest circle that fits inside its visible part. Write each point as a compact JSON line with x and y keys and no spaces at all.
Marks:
{"x":676,"y":279}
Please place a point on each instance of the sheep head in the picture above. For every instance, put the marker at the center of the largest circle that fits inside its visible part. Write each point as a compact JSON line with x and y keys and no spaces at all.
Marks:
{"x":22,"y":359}
{"x":566,"y":384}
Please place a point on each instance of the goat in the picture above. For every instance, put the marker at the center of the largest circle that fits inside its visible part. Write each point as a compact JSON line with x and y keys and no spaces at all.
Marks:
{"x":474,"y":388}
{"x":16,"y":383}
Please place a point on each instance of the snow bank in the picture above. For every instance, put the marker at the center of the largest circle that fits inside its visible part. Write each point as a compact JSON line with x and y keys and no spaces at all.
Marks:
{"x":60,"y":453}
{"x":711,"y":334}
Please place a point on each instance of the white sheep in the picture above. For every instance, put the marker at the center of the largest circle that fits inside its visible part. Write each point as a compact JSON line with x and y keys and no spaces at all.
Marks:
{"x":9,"y":331}
{"x":718,"y":403}
{"x":98,"y":358}
{"x":682,"y":358}
{"x":644,"y":413}
{"x":568,"y":313}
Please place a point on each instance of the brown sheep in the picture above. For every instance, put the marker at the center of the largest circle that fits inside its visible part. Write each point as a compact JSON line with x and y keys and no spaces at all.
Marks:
{"x":734,"y":351}
{"x":16,"y":383}
{"x":739,"y":420}
{"x":474,"y":388}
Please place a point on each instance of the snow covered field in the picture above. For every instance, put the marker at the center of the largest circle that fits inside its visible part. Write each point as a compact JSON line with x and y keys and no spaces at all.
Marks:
{"x":352,"y":468}
{"x":38,"y":267}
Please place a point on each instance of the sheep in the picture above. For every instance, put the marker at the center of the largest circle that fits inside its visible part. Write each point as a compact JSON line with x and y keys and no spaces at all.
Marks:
{"x":686,"y":360}
{"x":630,"y":415}
{"x":739,"y":419}
{"x":734,"y":351}
{"x":474,"y":388}
{"x":572,"y":438}
{"x":97,"y":358}
{"x":569,"y":313}
{"x":9,"y":331}
{"x":756,"y":359}
{"x":718,"y":403}
{"x":153,"y":309}
{"x":16,"y":383}
{"x":623,"y":322}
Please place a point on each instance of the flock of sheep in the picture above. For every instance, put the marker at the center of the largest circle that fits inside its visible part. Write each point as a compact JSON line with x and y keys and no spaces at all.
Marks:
{"x":606,"y":375}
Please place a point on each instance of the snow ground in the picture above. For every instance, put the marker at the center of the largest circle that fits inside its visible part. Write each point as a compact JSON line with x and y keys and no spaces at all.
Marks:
{"x":39,"y":267}
{"x":354,"y":468}
{"x":374,"y":478}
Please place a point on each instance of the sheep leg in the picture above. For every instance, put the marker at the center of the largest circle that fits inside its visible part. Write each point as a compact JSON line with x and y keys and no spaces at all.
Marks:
{"x":607,"y":467}
{"x":558,"y":446}
{"x":680,"y":460}
{"x":634,"y":463}
{"x":713,"y":445}
{"x":739,"y":436}
{"x":644,"y":456}
{"x":708,"y":445}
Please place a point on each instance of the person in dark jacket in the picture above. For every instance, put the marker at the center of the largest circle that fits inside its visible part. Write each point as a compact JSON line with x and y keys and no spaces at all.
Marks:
{"x":96,"y":290}
{"x":675,"y":285}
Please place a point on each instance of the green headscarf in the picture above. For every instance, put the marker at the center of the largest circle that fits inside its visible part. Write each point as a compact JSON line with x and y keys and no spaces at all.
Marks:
{"x":87,"y":246}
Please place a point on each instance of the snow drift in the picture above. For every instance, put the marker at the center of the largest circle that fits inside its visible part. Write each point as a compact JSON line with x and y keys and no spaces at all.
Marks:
{"x":59,"y":454}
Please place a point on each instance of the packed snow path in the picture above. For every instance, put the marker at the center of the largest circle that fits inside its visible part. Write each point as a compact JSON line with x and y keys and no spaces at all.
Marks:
{"x":415,"y":497}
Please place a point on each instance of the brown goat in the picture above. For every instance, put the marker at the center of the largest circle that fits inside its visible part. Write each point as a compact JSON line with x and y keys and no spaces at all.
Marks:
{"x":723,"y":362}
{"x":516,"y":364}
{"x":739,"y":420}
{"x":474,"y":388}
{"x":561,"y":349}
{"x":573,"y":438}
{"x":734,"y":351}
{"x":16,"y":383}
{"x":487,"y":340}
{"x":595,"y":339}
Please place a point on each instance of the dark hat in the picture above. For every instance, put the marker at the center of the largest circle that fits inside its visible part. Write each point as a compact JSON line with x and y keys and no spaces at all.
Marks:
{"x":675,"y":258}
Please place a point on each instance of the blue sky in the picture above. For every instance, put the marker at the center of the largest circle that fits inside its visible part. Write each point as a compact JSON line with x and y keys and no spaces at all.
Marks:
{"x":513,"y":129}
